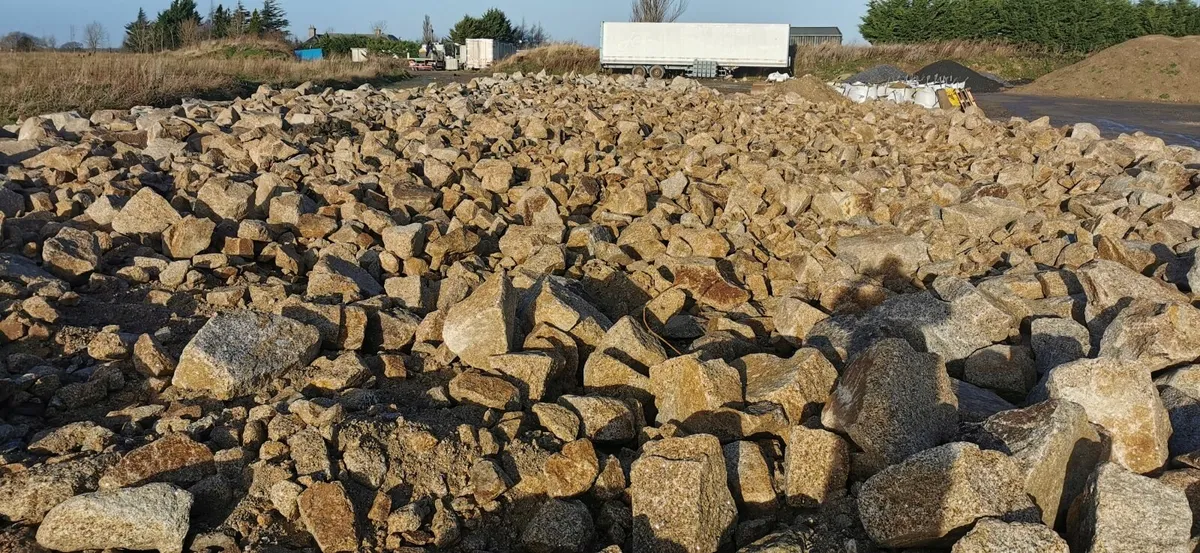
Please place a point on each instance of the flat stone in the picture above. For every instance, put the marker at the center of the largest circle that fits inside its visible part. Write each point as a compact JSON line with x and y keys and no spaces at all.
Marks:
{"x":328,"y":515}
{"x":996,"y":536}
{"x":334,"y":276}
{"x":483,"y":389}
{"x":237,"y":352}
{"x":705,"y":281}
{"x":174,"y":458}
{"x":154,"y":516}
{"x":883,"y":252}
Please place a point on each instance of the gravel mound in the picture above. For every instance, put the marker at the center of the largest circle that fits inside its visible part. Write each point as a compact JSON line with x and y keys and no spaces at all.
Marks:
{"x":586,"y":313}
{"x":954,"y":72}
{"x":880,"y":74}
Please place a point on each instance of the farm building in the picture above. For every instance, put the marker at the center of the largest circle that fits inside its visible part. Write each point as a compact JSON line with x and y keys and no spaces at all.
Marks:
{"x":808,"y":36}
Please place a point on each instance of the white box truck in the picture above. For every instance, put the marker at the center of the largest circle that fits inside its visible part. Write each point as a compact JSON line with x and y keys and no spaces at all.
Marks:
{"x":483,"y":52}
{"x":698,"y":49}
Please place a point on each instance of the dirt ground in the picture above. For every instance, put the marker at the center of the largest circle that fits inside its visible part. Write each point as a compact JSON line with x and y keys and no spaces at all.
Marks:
{"x":1150,"y":68}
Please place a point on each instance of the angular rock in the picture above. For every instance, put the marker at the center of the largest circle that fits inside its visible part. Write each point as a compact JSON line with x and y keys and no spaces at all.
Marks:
{"x":237,"y":352}
{"x":995,"y":536}
{"x":704,"y":279}
{"x":1056,"y":448}
{"x":751,"y":479}
{"x":559,"y":527}
{"x":328,"y":514}
{"x":483,"y":389}
{"x":28,"y":495}
{"x":334,"y":276}
{"x":1058,"y":341}
{"x":680,"y":497}
{"x":1121,"y":398}
{"x":174,"y":458}
{"x":187,"y":237}
{"x":145,"y":213}
{"x":933,"y":497}
{"x":605,"y":420}
{"x":1123,"y":511}
{"x":483,"y":325}
{"x":816,"y":467}
{"x":1154,"y":336}
{"x":687,"y":390}
{"x":71,"y":254}
{"x":800,"y":385}
{"x":893,"y":402}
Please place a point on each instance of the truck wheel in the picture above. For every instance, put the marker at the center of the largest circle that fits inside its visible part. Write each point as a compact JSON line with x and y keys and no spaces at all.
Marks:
{"x":658,"y":72}
{"x":639,"y":71}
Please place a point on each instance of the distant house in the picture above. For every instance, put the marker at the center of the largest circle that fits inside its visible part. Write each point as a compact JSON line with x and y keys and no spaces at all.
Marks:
{"x":810,"y":36}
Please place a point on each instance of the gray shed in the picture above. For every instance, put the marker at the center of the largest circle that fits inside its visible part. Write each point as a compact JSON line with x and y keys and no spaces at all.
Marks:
{"x":809,"y":36}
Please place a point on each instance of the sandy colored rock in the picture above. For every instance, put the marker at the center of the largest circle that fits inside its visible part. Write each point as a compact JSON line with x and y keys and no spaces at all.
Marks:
{"x":328,"y":515}
{"x":816,"y":467}
{"x":751,"y":480}
{"x":174,"y":458}
{"x":145,"y":213}
{"x":1123,"y":511}
{"x":995,"y":536}
{"x":686,"y":389}
{"x":680,"y":497}
{"x":71,"y":254}
{"x":154,"y":516}
{"x":1121,"y":398}
{"x":482,"y":325}
{"x":1056,"y":448}
{"x":800,"y":385}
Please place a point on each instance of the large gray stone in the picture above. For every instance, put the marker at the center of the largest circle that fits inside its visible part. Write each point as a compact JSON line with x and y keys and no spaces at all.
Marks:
{"x":71,"y":254}
{"x":935,"y":496}
{"x":1056,"y":448}
{"x":27,"y":496}
{"x":1127,"y":512}
{"x":1153,"y":336}
{"x":237,"y":352}
{"x":893,"y":402}
{"x":154,"y":516}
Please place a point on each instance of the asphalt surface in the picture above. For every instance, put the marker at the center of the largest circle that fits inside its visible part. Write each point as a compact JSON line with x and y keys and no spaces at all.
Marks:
{"x":1174,"y":123}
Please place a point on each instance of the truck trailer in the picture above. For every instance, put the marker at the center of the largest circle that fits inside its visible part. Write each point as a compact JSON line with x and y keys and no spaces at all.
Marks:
{"x":698,"y":49}
{"x":483,"y":52}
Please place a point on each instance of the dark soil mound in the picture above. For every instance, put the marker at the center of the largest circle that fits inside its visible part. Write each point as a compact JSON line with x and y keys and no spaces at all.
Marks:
{"x":954,"y":72}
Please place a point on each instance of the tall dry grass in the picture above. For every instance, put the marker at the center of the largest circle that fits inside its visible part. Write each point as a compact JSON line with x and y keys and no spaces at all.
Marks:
{"x":830,"y":61}
{"x":43,"y":82}
{"x":555,"y":59}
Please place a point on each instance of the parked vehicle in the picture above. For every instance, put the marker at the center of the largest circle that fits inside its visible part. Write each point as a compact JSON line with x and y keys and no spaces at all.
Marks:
{"x":658,"y":50}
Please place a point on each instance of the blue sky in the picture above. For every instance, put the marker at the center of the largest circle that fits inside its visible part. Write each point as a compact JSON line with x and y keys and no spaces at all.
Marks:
{"x":576,"y":20}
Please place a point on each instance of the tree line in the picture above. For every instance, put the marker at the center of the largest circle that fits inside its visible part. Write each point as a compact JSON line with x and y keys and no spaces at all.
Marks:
{"x":495,"y":24}
{"x":181,"y":25}
{"x":1062,"y":25}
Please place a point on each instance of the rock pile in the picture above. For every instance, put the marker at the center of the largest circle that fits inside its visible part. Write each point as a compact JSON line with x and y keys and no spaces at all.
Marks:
{"x":584,"y":313}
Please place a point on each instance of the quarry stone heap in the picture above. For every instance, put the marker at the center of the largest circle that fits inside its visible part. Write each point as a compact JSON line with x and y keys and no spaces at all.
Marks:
{"x":585,"y":313}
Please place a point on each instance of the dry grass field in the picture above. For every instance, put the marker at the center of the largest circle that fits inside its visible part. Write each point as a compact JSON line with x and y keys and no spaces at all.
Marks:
{"x":556,"y":59}
{"x":46,"y":82}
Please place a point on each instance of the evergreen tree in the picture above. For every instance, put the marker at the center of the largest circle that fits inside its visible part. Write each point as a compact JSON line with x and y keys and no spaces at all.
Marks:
{"x":137,"y":34}
{"x":239,"y":20}
{"x":170,"y":21}
{"x":274,"y":19}
{"x":221,"y":22}
{"x":255,"y":26}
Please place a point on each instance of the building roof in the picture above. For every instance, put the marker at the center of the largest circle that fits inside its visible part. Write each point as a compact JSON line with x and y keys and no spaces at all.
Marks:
{"x":816,"y":31}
